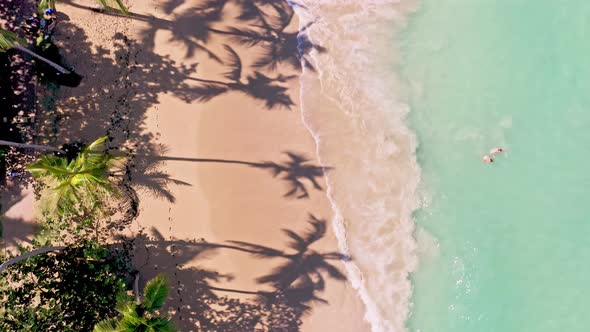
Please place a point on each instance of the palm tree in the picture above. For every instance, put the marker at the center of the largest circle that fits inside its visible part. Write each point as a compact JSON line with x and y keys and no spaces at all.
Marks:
{"x":82,"y":183}
{"x":140,"y":315}
{"x":10,"y":40}
{"x":31,"y":146}
{"x":45,"y":4}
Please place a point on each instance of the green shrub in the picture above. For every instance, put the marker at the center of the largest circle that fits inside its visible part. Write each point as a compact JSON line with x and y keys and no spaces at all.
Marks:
{"x":67,"y":290}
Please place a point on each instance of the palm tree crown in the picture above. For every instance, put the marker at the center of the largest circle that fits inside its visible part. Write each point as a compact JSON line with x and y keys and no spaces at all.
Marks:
{"x":82,"y":183}
{"x":140,"y":316}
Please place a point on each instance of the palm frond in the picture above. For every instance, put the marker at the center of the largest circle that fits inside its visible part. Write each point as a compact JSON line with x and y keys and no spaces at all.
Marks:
{"x":132,"y":322}
{"x":49,"y":166}
{"x":125,"y":303}
{"x":8,"y":39}
{"x":94,"y":154}
{"x":160,"y":324}
{"x":109,"y":325}
{"x":97,"y":145}
{"x":81,"y":183}
{"x":155,"y":293}
{"x":119,"y":4}
{"x":42,"y":5}
{"x":66,"y":198}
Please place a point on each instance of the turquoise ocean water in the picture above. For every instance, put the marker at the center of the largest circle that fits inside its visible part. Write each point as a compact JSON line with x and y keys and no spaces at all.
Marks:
{"x":508,"y":244}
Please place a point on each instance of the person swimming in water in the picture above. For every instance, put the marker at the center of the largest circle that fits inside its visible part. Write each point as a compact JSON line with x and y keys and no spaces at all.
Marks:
{"x":487,"y":159}
{"x":495,"y":151}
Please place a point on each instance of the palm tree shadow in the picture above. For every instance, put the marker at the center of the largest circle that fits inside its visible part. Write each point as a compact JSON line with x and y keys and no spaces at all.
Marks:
{"x":145,"y":175}
{"x":193,"y":301}
{"x":267,"y":24}
{"x":192,"y":27}
{"x":140,"y":176}
{"x":295,"y":171}
{"x":257,"y":85}
{"x":301,"y":277}
{"x":271,"y":33}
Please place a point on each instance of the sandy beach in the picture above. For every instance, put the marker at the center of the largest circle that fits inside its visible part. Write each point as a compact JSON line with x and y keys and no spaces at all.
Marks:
{"x":225,"y":170}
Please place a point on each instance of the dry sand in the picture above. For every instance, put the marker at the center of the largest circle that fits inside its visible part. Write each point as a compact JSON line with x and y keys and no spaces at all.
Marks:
{"x":213,"y":179}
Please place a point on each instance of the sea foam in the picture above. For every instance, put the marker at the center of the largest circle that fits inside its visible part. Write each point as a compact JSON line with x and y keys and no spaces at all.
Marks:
{"x":354,"y":106}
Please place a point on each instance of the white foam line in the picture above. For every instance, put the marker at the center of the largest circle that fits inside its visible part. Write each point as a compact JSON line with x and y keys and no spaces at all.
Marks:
{"x":355,"y":274}
{"x":353,"y":271}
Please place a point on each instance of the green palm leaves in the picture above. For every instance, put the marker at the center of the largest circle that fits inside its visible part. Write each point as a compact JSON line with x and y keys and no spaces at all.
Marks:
{"x":8,"y":39}
{"x":81,"y":184}
{"x":118,"y":3}
{"x":142,"y":316}
{"x":155,"y":293}
{"x":45,"y":4}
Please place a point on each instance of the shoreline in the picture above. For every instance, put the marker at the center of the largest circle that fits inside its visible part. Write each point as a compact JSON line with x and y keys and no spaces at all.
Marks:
{"x":359,"y":103}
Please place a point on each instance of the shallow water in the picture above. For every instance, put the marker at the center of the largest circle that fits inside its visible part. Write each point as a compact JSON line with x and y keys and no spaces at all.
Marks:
{"x":503,"y":246}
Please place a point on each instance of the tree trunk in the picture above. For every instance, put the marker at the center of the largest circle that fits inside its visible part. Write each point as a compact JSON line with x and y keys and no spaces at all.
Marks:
{"x":136,"y":289}
{"x":30,"y":254}
{"x":49,"y":62}
{"x":31,"y":146}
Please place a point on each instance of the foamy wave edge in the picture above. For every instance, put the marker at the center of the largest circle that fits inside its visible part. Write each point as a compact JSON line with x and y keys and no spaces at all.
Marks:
{"x":355,"y":274}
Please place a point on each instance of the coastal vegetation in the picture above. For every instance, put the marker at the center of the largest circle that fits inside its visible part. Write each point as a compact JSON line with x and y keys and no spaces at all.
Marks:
{"x":78,"y":269}
{"x":137,"y":314}
{"x":10,"y":40}
{"x":81,"y":185}
{"x":67,"y":290}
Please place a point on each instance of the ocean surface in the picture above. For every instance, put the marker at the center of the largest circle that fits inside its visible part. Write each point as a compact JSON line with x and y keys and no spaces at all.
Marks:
{"x":503,"y":246}
{"x":405,"y":102}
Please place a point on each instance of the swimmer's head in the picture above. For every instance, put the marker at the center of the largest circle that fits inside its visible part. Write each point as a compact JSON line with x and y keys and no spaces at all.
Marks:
{"x":491,"y":160}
